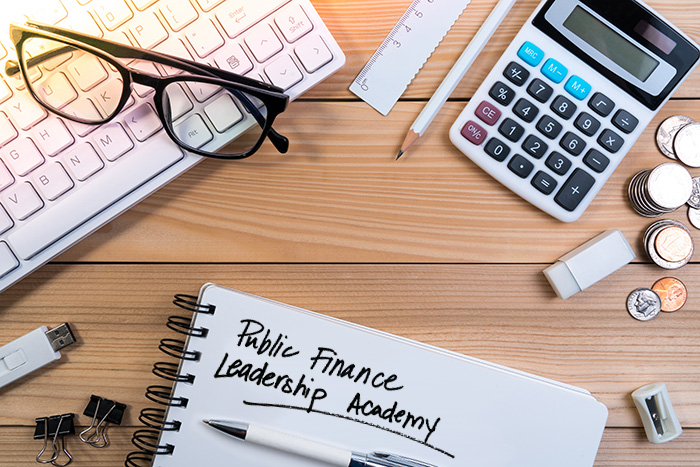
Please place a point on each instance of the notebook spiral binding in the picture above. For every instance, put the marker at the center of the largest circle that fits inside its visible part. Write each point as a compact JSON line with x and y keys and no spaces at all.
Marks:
{"x":146,"y":439}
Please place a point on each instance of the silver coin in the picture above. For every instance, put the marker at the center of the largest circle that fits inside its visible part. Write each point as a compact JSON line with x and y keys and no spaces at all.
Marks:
{"x":667,"y":131}
{"x":694,"y":200}
{"x":694,"y":217}
{"x":686,"y":145}
{"x":643,"y":304}
{"x":670,"y":185}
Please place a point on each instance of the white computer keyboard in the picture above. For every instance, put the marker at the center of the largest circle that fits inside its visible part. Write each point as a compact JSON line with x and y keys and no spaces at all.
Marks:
{"x":60,"y":181}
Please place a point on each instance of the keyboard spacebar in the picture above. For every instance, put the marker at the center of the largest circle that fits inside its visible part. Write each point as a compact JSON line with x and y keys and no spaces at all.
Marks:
{"x":118,"y":181}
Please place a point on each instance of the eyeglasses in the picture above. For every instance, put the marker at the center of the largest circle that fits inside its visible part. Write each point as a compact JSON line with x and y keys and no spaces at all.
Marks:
{"x":207,"y":111}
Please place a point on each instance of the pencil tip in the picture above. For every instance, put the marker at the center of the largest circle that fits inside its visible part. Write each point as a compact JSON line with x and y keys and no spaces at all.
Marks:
{"x":399,"y":155}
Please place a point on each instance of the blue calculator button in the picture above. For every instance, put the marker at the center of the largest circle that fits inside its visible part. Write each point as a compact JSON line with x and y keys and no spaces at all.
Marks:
{"x":531,"y":54}
{"x":554,"y":70}
{"x":577,"y":87}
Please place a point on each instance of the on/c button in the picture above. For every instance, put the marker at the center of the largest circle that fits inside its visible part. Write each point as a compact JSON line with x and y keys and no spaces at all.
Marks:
{"x":488,"y":113}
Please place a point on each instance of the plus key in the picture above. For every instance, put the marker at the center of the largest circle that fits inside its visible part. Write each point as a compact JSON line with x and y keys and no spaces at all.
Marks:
{"x":574,"y":190}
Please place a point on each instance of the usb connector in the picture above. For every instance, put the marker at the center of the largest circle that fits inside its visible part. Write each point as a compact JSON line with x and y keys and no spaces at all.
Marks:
{"x":32,"y":351}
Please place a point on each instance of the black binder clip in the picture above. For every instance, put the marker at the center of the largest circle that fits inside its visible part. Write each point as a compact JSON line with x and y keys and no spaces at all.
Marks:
{"x":106,"y":411}
{"x":54,"y":427}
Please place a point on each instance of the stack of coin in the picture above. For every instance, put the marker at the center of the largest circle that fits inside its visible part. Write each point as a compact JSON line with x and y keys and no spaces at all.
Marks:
{"x":658,"y":191}
{"x":669,"y":244}
{"x":667,"y":132}
{"x":672,"y":292}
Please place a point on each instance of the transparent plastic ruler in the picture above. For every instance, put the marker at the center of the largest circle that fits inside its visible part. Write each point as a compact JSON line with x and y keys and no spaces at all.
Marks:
{"x":404,"y":51}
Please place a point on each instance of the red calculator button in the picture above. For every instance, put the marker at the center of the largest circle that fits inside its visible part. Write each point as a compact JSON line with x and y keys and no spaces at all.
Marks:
{"x":474,"y":133}
{"x":488,"y":113}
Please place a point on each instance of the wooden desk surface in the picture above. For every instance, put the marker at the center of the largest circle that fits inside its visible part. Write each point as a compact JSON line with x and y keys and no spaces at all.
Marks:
{"x":428,"y":247}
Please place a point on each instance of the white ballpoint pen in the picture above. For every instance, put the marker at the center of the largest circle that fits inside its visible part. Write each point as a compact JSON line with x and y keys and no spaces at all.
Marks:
{"x":311,"y":449}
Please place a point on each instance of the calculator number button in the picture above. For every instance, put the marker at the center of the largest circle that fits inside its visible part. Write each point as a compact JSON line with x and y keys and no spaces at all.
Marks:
{"x":601,"y":104}
{"x":577,"y":87}
{"x":526,"y":110}
{"x":625,"y":121}
{"x":535,"y":147}
{"x":588,"y":124}
{"x":557,"y":163}
{"x":544,"y":183}
{"x":497,"y":149}
{"x":502,"y":93}
{"x":610,"y":141}
{"x":520,"y":166}
{"x":574,"y":190}
{"x":554,"y":71}
{"x":488,"y":113}
{"x":549,"y":127}
{"x":516,"y":74}
{"x":511,"y":129}
{"x":474,"y":133}
{"x":563,"y":107}
{"x":596,"y":160}
{"x":540,"y":90}
{"x":572,"y":143}
{"x":531,"y":54}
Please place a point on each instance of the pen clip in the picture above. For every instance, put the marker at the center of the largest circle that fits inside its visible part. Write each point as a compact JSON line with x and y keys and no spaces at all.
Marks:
{"x":387,"y":459}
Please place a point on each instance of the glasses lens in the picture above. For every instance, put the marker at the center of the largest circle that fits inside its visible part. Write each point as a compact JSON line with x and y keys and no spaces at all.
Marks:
{"x":214,"y":119}
{"x":71,"y":81}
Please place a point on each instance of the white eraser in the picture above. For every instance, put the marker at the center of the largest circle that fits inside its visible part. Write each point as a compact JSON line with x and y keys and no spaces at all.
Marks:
{"x":589,"y":263}
{"x":655,"y":409}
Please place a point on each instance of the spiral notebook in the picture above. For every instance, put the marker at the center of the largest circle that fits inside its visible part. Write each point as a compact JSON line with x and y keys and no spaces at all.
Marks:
{"x":254,"y":360}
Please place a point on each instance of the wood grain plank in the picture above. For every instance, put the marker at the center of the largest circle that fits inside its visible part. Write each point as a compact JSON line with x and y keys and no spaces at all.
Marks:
{"x":339,"y":196}
{"x":506,"y":314}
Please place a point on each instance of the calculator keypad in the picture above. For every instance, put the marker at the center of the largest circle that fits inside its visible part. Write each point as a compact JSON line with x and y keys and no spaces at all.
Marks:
{"x":539,"y":111}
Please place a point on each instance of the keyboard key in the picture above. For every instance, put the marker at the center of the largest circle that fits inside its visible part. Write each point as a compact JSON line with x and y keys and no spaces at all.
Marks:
{"x":148,"y":31}
{"x":7,"y":130}
{"x":6,"y":177}
{"x":535,"y":146}
{"x":588,"y":124}
{"x":56,"y":90}
{"x":572,"y":143}
{"x":502,"y":93}
{"x":531,"y":54}
{"x":233,"y":58}
{"x":143,"y":122}
{"x":610,"y":141}
{"x":540,"y":90}
{"x":52,"y":136}
{"x":263,"y":42}
{"x":235,"y":16}
{"x":520,"y":166}
{"x":22,"y":156}
{"x":180,"y":104}
{"x":293,"y":23}
{"x":112,"y":141}
{"x":544,"y":183}
{"x":26,"y":112}
{"x":511,"y":129}
{"x":283,"y":72}
{"x":577,"y":87}
{"x":204,"y":38}
{"x":22,"y":200}
{"x":625,"y":121}
{"x":474,"y":133}
{"x":549,"y":127}
{"x":557,"y":163}
{"x":526,"y":110}
{"x":72,"y":211}
{"x":516,"y":73}
{"x":87,"y":71}
{"x":175,"y":48}
{"x":177,"y":13}
{"x":83,"y":162}
{"x":8,"y":261}
{"x":574,"y":190}
{"x":6,"y":222}
{"x":112,"y":13}
{"x":488,"y":113}
{"x":497,"y":149}
{"x":223,"y":113}
{"x":107,"y":95}
{"x":554,"y":71}
{"x":563,"y":107}
{"x":193,"y":132}
{"x":202,"y":91}
{"x":601,"y":104}
{"x":313,"y":53}
{"x":52,"y":181}
{"x":596,"y":160}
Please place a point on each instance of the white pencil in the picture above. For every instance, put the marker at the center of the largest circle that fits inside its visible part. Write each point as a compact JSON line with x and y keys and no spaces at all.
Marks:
{"x":463,"y":63}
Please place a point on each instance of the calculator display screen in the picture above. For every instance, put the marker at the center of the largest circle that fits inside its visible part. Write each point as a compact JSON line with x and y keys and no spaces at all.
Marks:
{"x":610,"y":43}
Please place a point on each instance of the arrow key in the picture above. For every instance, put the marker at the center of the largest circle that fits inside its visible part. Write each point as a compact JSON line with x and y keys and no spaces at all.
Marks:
{"x":283,"y":72}
{"x":313,"y":53}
